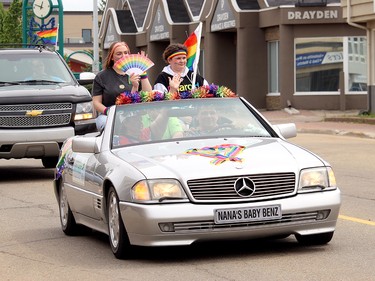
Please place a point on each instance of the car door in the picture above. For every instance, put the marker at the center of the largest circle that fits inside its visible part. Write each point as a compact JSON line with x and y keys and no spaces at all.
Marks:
{"x":83,"y":185}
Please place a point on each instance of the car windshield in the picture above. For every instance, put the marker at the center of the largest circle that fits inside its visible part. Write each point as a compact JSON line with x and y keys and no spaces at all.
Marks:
{"x":32,"y":68}
{"x":142,"y":123}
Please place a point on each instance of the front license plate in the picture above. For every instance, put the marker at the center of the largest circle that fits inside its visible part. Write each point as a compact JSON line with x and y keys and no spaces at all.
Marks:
{"x":271,"y":212}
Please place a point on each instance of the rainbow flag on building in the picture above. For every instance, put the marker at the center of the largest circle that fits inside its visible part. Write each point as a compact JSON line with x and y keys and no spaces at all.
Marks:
{"x":48,"y":36}
{"x":193,"y":46}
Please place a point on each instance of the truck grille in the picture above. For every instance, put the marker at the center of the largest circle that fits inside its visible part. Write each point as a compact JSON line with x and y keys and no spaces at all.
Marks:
{"x":50,"y":115}
{"x":39,"y":121}
{"x":267,"y":186}
{"x":43,"y":106}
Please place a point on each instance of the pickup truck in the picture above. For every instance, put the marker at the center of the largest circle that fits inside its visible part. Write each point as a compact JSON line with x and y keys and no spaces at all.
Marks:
{"x":41,"y":104}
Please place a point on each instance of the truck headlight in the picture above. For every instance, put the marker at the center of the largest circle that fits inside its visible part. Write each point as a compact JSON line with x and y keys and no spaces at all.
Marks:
{"x":84,"y":110}
{"x":316,"y":179}
{"x":157,"y":190}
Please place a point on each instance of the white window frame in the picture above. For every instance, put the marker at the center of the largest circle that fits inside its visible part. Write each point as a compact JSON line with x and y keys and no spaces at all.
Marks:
{"x":273,"y":67}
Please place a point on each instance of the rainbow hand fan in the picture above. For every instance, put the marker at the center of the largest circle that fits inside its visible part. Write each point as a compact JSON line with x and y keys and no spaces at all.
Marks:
{"x":134,"y":63}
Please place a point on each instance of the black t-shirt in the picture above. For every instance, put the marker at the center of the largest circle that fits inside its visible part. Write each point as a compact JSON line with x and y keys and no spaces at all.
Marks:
{"x":110,"y":84}
{"x":185,"y":85}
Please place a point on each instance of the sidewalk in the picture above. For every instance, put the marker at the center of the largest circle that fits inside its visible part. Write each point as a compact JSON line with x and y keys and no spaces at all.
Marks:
{"x":324,"y":122}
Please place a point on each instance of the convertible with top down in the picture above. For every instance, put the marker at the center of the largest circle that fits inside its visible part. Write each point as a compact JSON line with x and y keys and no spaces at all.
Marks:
{"x":172,"y":170}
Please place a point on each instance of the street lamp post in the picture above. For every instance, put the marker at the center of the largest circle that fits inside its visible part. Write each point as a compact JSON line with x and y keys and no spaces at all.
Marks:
{"x":95,"y":65}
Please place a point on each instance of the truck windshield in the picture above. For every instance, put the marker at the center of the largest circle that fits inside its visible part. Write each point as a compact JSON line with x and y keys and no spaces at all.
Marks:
{"x":33,"y":68}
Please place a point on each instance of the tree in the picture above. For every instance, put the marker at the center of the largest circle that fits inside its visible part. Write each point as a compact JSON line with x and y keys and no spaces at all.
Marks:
{"x":11,"y":23}
{"x":2,"y":15}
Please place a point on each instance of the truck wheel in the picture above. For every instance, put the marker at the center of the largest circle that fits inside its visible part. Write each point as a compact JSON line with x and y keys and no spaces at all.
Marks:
{"x":49,"y":162}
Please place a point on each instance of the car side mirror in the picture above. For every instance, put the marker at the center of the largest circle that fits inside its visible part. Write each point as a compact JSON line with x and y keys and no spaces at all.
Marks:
{"x":86,"y":78}
{"x":287,"y":131}
{"x":84,"y":144}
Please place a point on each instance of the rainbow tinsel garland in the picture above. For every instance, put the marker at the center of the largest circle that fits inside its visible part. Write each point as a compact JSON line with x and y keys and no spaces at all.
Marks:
{"x":209,"y":91}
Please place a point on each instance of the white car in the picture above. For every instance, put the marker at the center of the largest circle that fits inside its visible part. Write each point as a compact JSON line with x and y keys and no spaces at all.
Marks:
{"x":176,"y":171}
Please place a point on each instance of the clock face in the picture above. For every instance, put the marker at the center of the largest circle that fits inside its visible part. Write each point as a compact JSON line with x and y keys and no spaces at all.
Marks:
{"x":42,"y":8}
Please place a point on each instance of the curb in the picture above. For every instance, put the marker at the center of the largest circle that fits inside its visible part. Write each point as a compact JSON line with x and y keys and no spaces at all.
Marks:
{"x":326,"y":122}
{"x":361,"y":120}
{"x":337,"y":133}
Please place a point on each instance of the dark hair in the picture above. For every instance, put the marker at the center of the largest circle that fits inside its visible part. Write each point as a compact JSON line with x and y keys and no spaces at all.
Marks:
{"x":173,"y":48}
{"x":109,"y":59}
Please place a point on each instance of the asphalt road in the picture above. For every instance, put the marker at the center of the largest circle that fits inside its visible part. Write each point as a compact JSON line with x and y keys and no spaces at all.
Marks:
{"x":33,"y":247}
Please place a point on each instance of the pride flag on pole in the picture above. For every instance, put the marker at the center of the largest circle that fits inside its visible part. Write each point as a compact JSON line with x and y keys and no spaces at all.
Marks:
{"x":193,"y":46}
{"x":48,"y":36}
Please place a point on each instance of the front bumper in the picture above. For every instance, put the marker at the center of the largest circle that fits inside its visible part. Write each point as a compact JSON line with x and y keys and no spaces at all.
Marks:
{"x":33,"y":143}
{"x":195,"y":222}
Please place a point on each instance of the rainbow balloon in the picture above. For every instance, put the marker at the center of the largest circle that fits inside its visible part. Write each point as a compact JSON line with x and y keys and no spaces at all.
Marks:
{"x":134,"y":63}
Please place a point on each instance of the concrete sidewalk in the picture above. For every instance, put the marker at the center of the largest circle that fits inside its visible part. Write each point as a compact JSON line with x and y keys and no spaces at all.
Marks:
{"x":325,"y":122}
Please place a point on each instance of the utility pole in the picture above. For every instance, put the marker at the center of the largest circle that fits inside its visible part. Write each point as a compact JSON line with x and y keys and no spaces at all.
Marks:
{"x":95,"y":65}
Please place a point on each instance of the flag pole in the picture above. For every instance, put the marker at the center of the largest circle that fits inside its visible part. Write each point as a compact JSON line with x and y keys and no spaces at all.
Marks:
{"x":57,"y":38}
{"x":193,"y":47}
{"x":195,"y":64}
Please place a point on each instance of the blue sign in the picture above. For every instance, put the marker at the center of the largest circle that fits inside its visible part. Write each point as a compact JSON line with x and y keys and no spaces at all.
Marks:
{"x":309,"y":59}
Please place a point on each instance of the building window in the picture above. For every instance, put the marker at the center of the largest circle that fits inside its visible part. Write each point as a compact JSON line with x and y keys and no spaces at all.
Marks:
{"x":319,"y":61}
{"x":273,"y":66}
{"x":86,"y":35}
{"x":356,"y":79}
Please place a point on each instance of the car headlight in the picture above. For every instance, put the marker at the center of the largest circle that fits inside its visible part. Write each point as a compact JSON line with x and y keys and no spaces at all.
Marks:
{"x":84,"y":110}
{"x":157,"y":190}
{"x":317,"y":179}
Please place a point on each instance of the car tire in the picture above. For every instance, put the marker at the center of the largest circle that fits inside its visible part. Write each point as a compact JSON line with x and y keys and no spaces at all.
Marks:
{"x":68,"y":223}
{"x":49,"y":162}
{"x":118,"y":237}
{"x":314,"y":239}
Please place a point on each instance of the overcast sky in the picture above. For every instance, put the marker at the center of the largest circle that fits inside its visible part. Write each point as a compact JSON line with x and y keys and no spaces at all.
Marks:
{"x":78,"y":5}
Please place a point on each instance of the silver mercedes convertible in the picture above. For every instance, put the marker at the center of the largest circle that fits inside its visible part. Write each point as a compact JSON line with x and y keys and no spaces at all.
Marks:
{"x":181,"y":170}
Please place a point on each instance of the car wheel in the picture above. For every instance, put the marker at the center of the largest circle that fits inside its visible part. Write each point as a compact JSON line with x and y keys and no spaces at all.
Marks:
{"x":49,"y":162}
{"x":68,"y":223}
{"x":118,"y":237}
{"x":314,"y":239}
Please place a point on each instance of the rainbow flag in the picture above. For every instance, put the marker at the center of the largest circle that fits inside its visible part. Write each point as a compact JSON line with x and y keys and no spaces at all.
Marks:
{"x":48,"y":36}
{"x":193,"y":46}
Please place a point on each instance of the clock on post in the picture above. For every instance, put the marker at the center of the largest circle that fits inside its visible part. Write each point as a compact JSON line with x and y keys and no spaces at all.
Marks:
{"x":42,"y":8}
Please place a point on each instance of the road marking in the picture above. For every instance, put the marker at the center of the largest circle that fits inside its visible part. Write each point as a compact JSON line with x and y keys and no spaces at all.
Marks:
{"x":356,"y":220}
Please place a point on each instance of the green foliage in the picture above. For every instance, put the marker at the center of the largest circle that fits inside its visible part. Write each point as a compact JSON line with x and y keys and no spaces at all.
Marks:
{"x":11,"y":23}
{"x":366,"y":114}
{"x":2,"y":15}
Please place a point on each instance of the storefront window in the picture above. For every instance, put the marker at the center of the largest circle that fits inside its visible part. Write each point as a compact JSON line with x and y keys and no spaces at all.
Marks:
{"x":319,"y":62}
{"x":273,"y":67}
